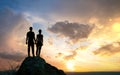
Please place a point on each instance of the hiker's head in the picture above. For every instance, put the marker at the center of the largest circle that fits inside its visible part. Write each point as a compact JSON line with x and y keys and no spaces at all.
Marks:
{"x":30,"y":28}
{"x":40,"y":31}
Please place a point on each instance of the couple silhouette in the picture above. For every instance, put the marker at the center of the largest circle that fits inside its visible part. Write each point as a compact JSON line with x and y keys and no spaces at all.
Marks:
{"x":31,"y":40}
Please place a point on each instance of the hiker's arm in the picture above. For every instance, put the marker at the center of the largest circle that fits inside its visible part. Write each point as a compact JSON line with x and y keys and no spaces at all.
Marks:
{"x":42,"y":39}
{"x":34,"y":38}
{"x":27,"y":39}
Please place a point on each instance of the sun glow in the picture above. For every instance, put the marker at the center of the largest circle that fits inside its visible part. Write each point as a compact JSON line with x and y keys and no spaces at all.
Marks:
{"x":70,"y":66}
{"x":116,"y":27}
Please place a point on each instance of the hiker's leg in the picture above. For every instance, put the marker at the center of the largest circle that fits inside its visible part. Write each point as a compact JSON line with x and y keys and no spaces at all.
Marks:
{"x":39,"y":50}
{"x":36,"y":50}
{"x":33,"y":50}
{"x":28,"y":50}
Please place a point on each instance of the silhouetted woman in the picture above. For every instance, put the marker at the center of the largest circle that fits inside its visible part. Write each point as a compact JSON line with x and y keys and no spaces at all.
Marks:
{"x":39,"y":42}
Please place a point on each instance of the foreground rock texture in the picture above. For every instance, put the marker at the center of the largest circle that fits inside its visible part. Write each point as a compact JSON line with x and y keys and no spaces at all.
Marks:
{"x":37,"y":66}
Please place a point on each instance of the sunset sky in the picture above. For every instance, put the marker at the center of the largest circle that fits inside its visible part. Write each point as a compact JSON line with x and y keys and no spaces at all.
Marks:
{"x":79,"y":35}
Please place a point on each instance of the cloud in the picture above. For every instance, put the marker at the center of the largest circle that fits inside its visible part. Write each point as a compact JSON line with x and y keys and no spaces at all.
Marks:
{"x":13,"y":28}
{"x":78,"y":9}
{"x":70,"y":56}
{"x":109,"y":49}
{"x":67,"y":57}
{"x":73,"y":31}
{"x":15,"y":56}
{"x":101,"y":8}
{"x":110,"y":8}
{"x":59,"y":55}
{"x":50,"y":40}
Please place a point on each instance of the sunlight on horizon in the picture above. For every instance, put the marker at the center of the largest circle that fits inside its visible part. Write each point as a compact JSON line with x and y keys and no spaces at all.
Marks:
{"x":70,"y":66}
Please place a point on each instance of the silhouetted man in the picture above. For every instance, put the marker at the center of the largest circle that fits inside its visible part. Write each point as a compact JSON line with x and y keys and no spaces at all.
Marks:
{"x":39,"y":42}
{"x":30,"y":39}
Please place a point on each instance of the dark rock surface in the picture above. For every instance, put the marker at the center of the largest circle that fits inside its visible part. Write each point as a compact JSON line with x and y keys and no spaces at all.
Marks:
{"x":37,"y":66}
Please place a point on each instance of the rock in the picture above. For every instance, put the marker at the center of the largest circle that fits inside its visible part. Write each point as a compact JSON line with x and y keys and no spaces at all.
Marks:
{"x":37,"y":66}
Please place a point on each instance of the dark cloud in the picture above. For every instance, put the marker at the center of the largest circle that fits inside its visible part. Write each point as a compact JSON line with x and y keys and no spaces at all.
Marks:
{"x":13,"y":27}
{"x":15,"y":56}
{"x":82,"y":9}
{"x":11,"y":24}
{"x":106,"y":9}
{"x":109,"y":6}
{"x":74,"y":31}
{"x":109,"y":49}
{"x":85,"y":10}
{"x":91,"y":8}
{"x":6,"y":24}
